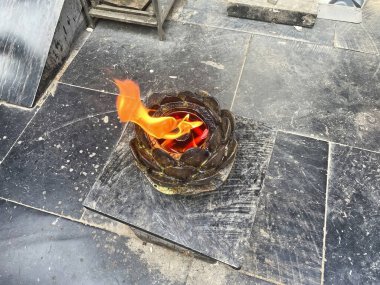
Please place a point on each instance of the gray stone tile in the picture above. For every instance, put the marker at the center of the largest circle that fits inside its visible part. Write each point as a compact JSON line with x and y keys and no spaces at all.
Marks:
{"x":371,"y":21}
{"x":24,"y":46}
{"x":362,"y":37}
{"x":38,"y":248}
{"x":13,"y":121}
{"x":190,"y":57}
{"x":287,"y":235}
{"x":98,"y":220}
{"x":56,"y":160}
{"x":318,"y":91}
{"x":213,"y":224}
{"x":202,"y":272}
{"x":353,"y":218}
{"x":354,"y":37}
{"x":214,"y":13}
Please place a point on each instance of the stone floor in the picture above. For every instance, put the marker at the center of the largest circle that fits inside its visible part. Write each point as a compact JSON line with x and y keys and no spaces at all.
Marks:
{"x":317,"y":217}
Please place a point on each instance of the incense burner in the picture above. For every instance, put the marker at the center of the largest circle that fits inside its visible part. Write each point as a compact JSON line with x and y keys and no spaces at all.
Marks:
{"x":199,"y":161}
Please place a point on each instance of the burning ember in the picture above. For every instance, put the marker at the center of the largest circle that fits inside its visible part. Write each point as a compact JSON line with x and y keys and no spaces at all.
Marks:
{"x":183,"y":142}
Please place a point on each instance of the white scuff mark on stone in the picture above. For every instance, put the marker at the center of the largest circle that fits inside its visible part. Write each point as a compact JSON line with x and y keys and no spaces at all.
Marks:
{"x":96,"y":166}
{"x":4,"y":137}
{"x":41,"y":139}
{"x":151,"y":71}
{"x":71,"y":170}
{"x":58,"y":146}
{"x":92,"y":154}
{"x":84,"y":173}
{"x":63,"y":167}
{"x":213,"y":64}
{"x":54,"y":223}
{"x":76,"y":188}
{"x":44,"y":193}
{"x":90,"y":30}
{"x":59,"y":202}
{"x":80,"y":199}
{"x":298,"y":28}
{"x":173,"y":77}
{"x":264,"y":233}
{"x":81,"y":151}
{"x":68,"y":160}
{"x":20,"y":142}
{"x":106,"y":119}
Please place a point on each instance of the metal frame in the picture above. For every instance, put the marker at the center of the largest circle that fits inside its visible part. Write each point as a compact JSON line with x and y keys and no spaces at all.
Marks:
{"x":153,"y":16}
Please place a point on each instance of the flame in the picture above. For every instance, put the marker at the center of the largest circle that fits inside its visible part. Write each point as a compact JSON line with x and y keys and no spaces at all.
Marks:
{"x":130,"y":108}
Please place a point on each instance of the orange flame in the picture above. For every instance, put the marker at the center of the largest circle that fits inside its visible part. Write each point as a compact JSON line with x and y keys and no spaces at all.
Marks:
{"x":130,"y":108}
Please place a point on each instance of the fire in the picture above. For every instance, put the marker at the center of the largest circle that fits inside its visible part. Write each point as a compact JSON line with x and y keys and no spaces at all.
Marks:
{"x":130,"y":108}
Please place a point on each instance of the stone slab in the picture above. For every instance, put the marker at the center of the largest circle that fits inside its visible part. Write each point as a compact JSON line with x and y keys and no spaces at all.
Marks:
{"x":286,"y":242}
{"x":213,"y":13}
{"x":341,"y":13}
{"x":13,"y":121}
{"x":312,"y":90}
{"x":38,"y":248}
{"x":191,"y":57}
{"x":296,"y":13}
{"x":363,"y":37}
{"x":354,"y":37}
{"x":56,"y":160}
{"x":202,"y":272}
{"x":213,"y":224}
{"x":371,"y":21}
{"x":25,"y":37}
{"x":353,"y":217}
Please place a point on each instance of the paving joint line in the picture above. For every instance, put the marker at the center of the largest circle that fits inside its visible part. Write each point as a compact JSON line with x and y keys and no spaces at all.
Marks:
{"x":329,"y":167}
{"x":87,"y":88}
{"x":325,"y":140}
{"x":241,"y":70}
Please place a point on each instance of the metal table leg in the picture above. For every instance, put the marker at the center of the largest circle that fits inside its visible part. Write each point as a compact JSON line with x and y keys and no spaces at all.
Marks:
{"x":161,"y":33}
{"x":90,"y":22}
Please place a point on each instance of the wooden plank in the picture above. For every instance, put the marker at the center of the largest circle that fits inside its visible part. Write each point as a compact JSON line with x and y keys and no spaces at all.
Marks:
{"x":298,"y":13}
{"x":122,"y":17}
{"x":132,"y":4}
{"x":124,"y":10}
